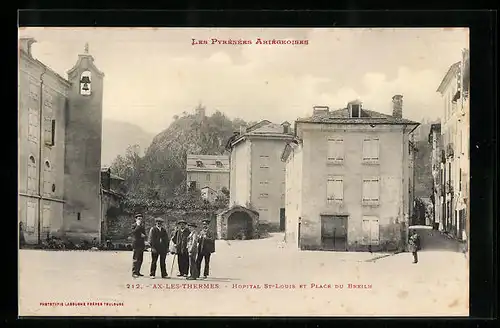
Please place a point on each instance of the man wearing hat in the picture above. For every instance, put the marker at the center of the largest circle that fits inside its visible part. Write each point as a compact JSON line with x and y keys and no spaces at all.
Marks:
{"x":180,"y":241}
{"x":192,"y":247}
{"x":158,"y":239}
{"x":138,"y":235}
{"x":206,"y":247}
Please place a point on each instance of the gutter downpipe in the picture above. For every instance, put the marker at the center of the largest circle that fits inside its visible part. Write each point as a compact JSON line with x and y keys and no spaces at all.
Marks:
{"x":40,"y":161}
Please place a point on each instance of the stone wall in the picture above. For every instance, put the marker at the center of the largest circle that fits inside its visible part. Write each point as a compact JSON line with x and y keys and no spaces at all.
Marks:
{"x":120,"y":228}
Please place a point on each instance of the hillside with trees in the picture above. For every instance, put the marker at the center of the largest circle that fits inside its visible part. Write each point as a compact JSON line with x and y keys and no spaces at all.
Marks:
{"x":157,"y":180}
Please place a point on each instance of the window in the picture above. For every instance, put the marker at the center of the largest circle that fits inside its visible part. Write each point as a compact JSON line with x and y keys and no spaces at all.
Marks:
{"x":78,"y":216}
{"x":370,"y":190}
{"x":264,"y":161}
{"x":217,"y":177}
{"x":192,"y":185}
{"x":32,"y":174}
{"x":34,"y":90}
{"x":370,"y":150}
{"x":355,"y":110}
{"x":33,"y":125}
{"x":46,"y":218}
{"x":199,"y":163}
{"x":334,"y":190}
{"x":262,"y":209}
{"x":30,"y":216}
{"x":263,"y":195}
{"x":335,"y":150}
{"x":371,"y":229}
{"x":218,"y":164}
{"x":264,"y":183}
{"x":49,"y":131}
{"x":207,"y":178}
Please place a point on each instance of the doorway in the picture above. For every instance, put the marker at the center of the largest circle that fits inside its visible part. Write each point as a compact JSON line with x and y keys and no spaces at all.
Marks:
{"x":239,"y":226}
{"x":334,"y":233}
{"x":282,"y":219}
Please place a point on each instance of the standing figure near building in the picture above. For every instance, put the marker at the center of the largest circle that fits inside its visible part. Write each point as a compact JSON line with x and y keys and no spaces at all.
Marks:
{"x":180,"y":241}
{"x":138,"y":245}
{"x":22,"y":241}
{"x":413,"y":245}
{"x":192,"y":247}
{"x":206,"y":247}
{"x":158,"y":239}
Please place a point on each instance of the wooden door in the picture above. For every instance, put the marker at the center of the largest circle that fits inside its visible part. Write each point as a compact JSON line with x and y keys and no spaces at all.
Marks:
{"x":334,"y":233}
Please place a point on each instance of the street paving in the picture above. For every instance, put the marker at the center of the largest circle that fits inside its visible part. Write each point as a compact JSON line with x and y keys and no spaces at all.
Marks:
{"x":388,"y":286}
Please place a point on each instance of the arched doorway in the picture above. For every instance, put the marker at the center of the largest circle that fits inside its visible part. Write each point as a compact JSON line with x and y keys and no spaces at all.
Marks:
{"x":239,"y":226}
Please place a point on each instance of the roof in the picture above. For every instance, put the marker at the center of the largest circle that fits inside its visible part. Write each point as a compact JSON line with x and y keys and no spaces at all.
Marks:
{"x":45,"y":67}
{"x":208,"y":162}
{"x":451,"y":71}
{"x":264,"y":128}
{"x":79,"y":63}
{"x":341,"y":116}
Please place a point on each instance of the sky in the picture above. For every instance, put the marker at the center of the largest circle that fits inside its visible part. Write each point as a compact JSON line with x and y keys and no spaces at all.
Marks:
{"x":152,"y":74}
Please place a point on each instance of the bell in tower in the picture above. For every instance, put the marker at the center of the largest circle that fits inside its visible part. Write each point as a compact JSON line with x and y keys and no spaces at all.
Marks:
{"x":85,"y":83}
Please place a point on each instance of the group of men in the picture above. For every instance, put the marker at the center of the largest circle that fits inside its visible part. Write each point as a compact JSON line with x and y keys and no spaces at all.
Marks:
{"x":191,"y":247}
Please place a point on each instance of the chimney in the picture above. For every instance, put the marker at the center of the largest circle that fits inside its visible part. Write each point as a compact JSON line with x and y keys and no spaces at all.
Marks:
{"x":397,"y":106}
{"x":25,"y":43}
{"x":320,"y":110}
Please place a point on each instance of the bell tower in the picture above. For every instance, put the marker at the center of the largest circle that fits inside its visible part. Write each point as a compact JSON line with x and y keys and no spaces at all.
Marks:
{"x":82,"y":164}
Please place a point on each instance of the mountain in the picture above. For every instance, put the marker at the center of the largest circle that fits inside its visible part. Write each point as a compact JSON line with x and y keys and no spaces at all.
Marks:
{"x":117,"y":136}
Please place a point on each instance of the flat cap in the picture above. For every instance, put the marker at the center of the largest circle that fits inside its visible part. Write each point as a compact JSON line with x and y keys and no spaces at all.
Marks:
{"x":138,"y":216}
{"x":159,"y":220}
{"x":191,"y":224}
{"x":181,"y":221}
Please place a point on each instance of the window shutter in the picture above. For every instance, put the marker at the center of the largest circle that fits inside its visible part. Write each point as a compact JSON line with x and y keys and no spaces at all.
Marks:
{"x":374,"y":189}
{"x":46,"y":217}
{"x":375,"y":149}
{"x":340,"y":149}
{"x":366,"y":189}
{"x":339,"y":189}
{"x":47,"y":129}
{"x":331,"y":150}
{"x":366,"y":148}
{"x":330,"y":190}
{"x":374,"y":231}
{"x":366,"y":231}
{"x":30,"y":217}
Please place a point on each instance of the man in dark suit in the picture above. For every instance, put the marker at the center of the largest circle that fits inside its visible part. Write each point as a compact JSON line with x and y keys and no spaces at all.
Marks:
{"x":206,"y":247}
{"x":138,"y":245}
{"x":180,"y":241}
{"x":158,"y":239}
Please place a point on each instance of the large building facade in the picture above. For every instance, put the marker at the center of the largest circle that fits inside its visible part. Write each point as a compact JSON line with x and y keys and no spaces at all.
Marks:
{"x":59,"y":138}
{"x":348,"y":179}
{"x":210,"y":171}
{"x":437,"y":160}
{"x":257,"y":179}
{"x":454,"y":89}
